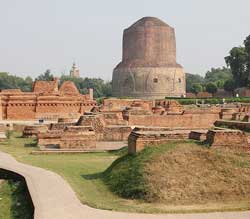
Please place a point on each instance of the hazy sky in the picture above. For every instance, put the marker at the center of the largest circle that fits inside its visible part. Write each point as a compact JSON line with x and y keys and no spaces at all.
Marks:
{"x":49,"y":34}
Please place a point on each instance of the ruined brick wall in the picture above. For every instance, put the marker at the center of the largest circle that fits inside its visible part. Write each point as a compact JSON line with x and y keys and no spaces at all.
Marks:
{"x":21,"y":106}
{"x":116,"y":133}
{"x":233,"y":124}
{"x":50,"y":105}
{"x":227,"y":138}
{"x":45,"y":87}
{"x":139,"y":139}
{"x":113,"y":104}
{"x":78,"y":140}
{"x":189,"y":121}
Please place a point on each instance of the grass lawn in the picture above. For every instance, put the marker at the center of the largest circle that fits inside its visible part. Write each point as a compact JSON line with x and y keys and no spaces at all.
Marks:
{"x":83,"y":172}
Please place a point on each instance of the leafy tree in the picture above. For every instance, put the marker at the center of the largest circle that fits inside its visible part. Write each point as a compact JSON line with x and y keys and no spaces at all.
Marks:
{"x":211,"y":88}
{"x":239,"y":62}
{"x":196,"y":88}
{"x":8,"y":81}
{"x":192,"y":79}
{"x":229,"y":85}
{"x":220,"y":83}
{"x":218,"y":76}
{"x":46,"y":76}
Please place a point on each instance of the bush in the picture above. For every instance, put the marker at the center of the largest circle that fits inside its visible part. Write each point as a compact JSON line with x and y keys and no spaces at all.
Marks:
{"x":189,"y":101}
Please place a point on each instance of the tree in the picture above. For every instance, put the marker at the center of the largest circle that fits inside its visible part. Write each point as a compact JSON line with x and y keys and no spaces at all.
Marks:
{"x":218,"y":76}
{"x":46,"y":76}
{"x":196,"y":88}
{"x":192,"y":79}
{"x":220,"y":83}
{"x":229,"y":85}
{"x":8,"y":81}
{"x":211,"y":88}
{"x":237,"y":62}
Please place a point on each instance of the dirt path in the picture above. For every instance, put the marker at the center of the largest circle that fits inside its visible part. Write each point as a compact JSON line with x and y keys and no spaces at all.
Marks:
{"x":53,"y":198}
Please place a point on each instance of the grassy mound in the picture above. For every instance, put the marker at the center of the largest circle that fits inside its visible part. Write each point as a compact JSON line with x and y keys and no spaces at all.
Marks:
{"x":182,"y":173}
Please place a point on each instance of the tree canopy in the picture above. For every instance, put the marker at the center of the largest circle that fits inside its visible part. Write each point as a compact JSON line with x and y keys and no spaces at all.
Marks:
{"x":46,"y":76}
{"x":218,"y":76}
{"x":239,"y":62}
{"x":191,"y":80}
{"x":8,"y":81}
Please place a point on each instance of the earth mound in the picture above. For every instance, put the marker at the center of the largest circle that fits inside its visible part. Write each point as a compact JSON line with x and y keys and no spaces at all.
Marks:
{"x":182,"y":173}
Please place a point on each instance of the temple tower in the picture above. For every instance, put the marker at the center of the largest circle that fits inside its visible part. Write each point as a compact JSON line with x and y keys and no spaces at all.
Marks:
{"x":74,"y":72}
{"x":148,"y":69}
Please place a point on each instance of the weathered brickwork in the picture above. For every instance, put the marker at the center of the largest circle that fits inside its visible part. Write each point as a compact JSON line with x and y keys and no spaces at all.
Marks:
{"x":144,"y":137}
{"x":228,"y":138}
{"x":148,"y":69}
{"x":34,"y":130}
{"x":45,"y":102}
{"x":185,"y":121}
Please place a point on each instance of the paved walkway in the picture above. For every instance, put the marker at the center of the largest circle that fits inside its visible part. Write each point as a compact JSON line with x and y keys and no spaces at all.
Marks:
{"x":53,"y":198}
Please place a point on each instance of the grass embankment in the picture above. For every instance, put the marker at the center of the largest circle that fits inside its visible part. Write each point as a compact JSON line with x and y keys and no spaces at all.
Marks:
{"x":14,"y":202}
{"x":92,"y":175}
{"x":184,"y":174}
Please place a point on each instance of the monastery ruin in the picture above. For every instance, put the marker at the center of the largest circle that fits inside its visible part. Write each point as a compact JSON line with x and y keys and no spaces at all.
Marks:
{"x":47,"y":101}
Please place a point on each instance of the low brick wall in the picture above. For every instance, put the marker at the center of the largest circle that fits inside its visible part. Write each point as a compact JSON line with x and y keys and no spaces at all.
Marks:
{"x":138,"y":140}
{"x":228,"y":138}
{"x":49,"y":138}
{"x":186,"y":121}
{"x":34,"y":130}
{"x":72,"y":137}
{"x":75,"y":140}
{"x":200,"y":135}
{"x":244,"y":126}
{"x":115,"y":133}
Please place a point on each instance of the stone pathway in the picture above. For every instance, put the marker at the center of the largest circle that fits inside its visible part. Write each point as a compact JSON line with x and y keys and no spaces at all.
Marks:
{"x":53,"y":198}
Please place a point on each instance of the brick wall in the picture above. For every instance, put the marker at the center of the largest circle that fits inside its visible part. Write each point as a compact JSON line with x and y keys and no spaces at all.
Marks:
{"x":189,"y":121}
{"x":30,"y":106}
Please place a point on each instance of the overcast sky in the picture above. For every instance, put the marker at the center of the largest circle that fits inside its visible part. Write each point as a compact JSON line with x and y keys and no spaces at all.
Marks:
{"x":50,"y":34}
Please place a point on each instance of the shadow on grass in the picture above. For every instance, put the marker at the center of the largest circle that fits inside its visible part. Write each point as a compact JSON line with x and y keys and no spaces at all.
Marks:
{"x":93,"y":176}
{"x":31,"y":145}
{"x":120,"y":152}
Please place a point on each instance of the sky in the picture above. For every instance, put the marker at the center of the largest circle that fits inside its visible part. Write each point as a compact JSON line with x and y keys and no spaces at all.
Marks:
{"x":36,"y":35}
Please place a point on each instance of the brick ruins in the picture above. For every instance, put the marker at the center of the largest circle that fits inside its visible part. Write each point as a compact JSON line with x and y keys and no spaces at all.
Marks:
{"x":153,"y":122}
{"x":47,"y":101}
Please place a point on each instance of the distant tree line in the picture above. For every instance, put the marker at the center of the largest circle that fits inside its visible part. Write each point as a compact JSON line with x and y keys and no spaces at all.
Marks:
{"x":235,"y":75}
{"x":216,"y":78}
{"x":101,"y":88}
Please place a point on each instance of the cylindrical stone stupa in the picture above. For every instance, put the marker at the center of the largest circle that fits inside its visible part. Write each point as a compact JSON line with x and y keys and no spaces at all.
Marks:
{"x":149,"y":69}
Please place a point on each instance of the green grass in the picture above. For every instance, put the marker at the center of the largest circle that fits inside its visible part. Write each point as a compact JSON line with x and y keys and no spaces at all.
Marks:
{"x":82,"y":171}
{"x":14,"y":202}
{"x":85,"y":174}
